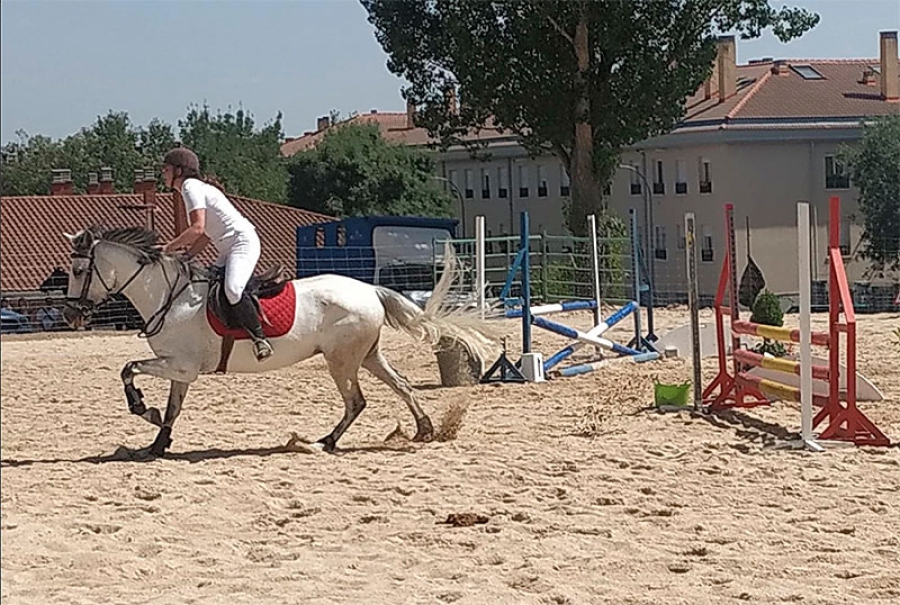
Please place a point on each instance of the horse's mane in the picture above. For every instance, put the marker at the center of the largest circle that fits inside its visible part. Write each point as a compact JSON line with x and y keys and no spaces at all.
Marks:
{"x":142,"y":241}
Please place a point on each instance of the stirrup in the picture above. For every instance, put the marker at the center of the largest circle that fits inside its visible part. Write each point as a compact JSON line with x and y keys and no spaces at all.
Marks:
{"x":262,"y":349}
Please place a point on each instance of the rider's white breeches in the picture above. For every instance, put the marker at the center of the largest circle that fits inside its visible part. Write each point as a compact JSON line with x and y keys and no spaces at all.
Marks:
{"x":239,"y":261}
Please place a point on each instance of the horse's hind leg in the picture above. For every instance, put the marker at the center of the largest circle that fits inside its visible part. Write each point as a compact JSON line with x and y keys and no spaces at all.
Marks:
{"x":177,"y":393}
{"x":346,"y":377}
{"x":382,"y":370}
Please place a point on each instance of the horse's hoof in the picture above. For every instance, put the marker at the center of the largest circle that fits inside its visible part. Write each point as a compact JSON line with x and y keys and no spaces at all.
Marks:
{"x":326,"y":444}
{"x":425,"y":431}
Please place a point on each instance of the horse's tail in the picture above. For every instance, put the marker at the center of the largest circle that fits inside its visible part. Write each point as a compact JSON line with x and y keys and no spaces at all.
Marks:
{"x":434,"y":323}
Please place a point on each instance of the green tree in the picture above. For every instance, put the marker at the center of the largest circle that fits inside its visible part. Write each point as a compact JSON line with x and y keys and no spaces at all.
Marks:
{"x":353,"y":171}
{"x":579,"y":78}
{"x":247,"y":161}
{"x":27,"y":164}
{"x":111,"y":141}
{"x":875,"y":171}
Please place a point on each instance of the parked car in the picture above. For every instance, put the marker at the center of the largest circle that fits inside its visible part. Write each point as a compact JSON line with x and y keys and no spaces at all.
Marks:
{"x":14,"y":323}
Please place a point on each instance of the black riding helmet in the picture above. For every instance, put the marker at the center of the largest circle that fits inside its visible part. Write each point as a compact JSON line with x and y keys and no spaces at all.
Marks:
{"x":184,"y":159}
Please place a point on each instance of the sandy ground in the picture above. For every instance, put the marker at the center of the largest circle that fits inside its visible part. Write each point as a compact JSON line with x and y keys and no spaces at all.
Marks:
{"x":588,"y":496}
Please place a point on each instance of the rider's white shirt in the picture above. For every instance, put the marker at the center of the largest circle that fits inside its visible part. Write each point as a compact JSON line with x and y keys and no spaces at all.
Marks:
{"x":224,"y":224}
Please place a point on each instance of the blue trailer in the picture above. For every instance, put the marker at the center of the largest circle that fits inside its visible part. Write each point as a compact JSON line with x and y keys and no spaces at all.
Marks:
{"x":397,"y":252}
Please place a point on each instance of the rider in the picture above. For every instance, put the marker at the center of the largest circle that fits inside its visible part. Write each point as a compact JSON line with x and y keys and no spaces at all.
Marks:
{"x":211,"y":216}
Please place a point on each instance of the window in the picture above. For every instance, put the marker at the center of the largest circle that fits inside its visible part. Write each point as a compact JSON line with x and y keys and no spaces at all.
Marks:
{"x":320,"y":237}
{"x":470,"y":185}
{"x":681,"y":187}
{"x":502,"y":182}
{"x":844,"y":242}
{"x":485,"y":184}
{"x":635,"y":180}
{"x":565,"y":185}
{"x":342,"y":235}
{"x":807,"y":72}
{"x":705,"y":176}
{"x":523,"y":181}
{"x":659,"y":182}
{"x":706,"y":245}
{"x":453,"y":177}
{"x":659,"y":244}
{"x":542,"y":181}
{"x":681,"y":243}
{"x":836,"y":176}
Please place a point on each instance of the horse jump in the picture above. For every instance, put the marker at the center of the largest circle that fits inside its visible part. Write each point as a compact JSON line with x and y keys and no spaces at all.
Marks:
{"x":844,"y":421}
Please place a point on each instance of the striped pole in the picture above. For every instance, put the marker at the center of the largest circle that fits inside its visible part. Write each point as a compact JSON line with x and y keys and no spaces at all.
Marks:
{"x":780,"y":364}
{"x":597,"y":330}
{"x":776,"y":333}
{"x":552,"y":326}
{"x":572,"y":305}
{"x":596,"y":365}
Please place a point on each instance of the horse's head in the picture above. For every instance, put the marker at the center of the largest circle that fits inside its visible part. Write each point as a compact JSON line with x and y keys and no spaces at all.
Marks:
{"x":85,"y":292}
{"x":94,"y":276}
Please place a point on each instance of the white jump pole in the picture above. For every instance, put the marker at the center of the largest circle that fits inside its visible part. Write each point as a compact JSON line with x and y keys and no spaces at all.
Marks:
{"x":480,"y":280}
{"x":806,"y":389}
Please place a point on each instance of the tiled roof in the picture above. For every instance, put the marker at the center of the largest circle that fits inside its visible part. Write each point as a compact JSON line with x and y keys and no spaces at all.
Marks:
{"x":393,"y":127}
{"x":32,"y":227}
{"x":762,"y":99}
{"x":765,"y":97}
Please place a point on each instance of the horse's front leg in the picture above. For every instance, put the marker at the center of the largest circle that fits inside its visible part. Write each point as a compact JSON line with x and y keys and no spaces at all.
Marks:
{"x":179,"y":377}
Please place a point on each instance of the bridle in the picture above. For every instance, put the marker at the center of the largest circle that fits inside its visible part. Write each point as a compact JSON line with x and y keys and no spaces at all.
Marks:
{"x":84,"y":306}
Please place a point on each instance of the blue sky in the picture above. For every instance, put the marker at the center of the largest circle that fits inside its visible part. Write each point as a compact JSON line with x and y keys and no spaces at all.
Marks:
{"x":64,"y":62}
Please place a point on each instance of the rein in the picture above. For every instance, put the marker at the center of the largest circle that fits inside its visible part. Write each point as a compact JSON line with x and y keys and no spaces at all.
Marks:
{"x":158,"y":318}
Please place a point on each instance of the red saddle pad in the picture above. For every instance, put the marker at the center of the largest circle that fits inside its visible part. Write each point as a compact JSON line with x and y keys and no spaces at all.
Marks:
{"x":279,"y":311}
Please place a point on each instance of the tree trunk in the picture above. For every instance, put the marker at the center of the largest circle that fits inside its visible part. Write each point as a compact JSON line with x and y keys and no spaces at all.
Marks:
{"x":585,"y":188}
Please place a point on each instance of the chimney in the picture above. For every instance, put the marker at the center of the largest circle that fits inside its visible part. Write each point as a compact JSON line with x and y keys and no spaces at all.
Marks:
{"x":780,"y":68}
{"x":450,"y":98}
{"x":323,"y":123}
{"x":139,"y":180}
{"x":149,"y":187}
{"x":890,"y":84}
{"x":410,"y":114}
{"x":61,"y":182}
{"x":93,"y":186}
{"x":711,"y":83}
{"x":106,"y":180}
{"x":726,"y":66}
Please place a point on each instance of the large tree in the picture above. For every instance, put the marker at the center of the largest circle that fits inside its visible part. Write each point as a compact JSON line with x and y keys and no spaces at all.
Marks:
{"x":875,"y":171}
{"x":353,"y":171}
{"x":578,"y":78}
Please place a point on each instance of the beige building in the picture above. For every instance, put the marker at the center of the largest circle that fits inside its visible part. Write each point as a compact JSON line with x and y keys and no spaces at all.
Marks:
{"x":761,"y":136}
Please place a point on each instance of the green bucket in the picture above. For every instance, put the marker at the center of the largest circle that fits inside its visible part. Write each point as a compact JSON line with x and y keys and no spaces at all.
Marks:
{"x":670,"y":395}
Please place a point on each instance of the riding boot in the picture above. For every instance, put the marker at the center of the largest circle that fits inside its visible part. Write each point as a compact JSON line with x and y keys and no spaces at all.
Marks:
{"x":246,"y":313}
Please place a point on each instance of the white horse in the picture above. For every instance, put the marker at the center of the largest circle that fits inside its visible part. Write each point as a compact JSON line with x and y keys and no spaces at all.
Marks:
{"x":337,"y":316}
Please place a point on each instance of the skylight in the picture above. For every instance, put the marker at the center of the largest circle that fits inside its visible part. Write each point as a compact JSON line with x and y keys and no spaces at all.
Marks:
{"x":807,"y":72}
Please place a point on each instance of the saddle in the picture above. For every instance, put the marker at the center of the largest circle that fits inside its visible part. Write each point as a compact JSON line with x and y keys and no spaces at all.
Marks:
{"x":269,"y":284}
{"x":266,"y":286}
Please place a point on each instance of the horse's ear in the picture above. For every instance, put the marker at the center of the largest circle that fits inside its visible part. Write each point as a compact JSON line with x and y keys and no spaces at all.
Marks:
{"x":70,"y":237}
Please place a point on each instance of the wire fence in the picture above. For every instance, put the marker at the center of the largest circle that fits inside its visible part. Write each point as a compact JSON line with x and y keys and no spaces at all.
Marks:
{"x":561,"y":269}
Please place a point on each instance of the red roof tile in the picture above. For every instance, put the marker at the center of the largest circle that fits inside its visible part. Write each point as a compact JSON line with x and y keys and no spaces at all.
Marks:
{"x":32,"y":227}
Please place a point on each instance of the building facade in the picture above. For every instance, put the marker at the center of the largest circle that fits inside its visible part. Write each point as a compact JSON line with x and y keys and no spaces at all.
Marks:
{"x":761,"y":136}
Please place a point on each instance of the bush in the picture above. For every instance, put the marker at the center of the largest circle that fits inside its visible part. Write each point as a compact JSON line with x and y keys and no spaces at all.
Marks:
{"x":767,"y":311}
